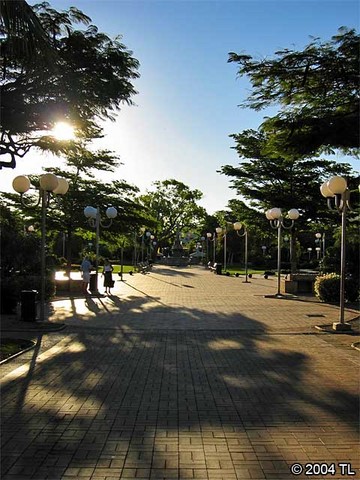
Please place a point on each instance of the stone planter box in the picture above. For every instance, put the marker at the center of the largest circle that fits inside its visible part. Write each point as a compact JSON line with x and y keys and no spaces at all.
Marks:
{"x":67,"y":286}
{"x":300,"y":283}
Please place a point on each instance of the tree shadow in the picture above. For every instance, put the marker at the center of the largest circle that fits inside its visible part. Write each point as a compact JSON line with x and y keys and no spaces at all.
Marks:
{"x":117,"y":399}
{"x":173,"y":271}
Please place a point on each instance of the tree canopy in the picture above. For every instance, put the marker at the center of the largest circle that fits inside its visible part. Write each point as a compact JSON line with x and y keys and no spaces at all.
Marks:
{"x":267,"y":182}
{"x":173,"y":207}
{"x":317,"y":91}
{"x":90,"y":78}
{"x":85,"y":188}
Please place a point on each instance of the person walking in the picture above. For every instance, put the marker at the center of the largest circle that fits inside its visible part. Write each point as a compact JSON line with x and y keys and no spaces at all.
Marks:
{"x":85,"y":268}
{"x":107,"y":273}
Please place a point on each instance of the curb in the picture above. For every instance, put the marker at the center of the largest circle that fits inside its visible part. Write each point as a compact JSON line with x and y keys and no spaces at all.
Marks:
{"x":328,"y":328}
{"x":46,"y":327}
{"x":20,"y":352}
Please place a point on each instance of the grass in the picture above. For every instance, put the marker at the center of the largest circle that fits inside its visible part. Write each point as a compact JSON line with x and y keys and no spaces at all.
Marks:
{"x":126,"y":268}
{"x":11,"y":346}
{"x":231,"y":269}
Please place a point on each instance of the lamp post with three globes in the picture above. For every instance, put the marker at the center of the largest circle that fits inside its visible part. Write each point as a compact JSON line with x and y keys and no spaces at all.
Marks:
{"x":336,"y":191}
{"x":49,"y":185}
{"x":94,"y":219}
{"x":277,"y":221}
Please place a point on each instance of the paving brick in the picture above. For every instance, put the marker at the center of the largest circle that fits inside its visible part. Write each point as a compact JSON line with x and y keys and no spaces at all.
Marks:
{"x":210,"y":382}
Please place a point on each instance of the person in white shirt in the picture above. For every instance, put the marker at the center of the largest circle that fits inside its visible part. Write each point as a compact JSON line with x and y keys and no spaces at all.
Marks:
{"x":85,"y":268}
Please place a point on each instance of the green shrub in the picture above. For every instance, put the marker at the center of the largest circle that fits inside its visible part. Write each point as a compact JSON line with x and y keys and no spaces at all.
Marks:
{"x":327,"y":288}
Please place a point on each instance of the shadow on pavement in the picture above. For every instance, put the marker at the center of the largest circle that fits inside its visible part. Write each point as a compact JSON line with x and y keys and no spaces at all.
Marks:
{"x":117,"y":398}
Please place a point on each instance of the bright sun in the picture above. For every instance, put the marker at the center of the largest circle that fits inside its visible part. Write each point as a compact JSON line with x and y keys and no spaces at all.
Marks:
{"x":63,"y":131}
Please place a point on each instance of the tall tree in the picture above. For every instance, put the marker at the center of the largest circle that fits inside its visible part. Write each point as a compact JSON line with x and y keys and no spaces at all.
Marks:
{"x":317,"y":90}
{"x":25,"y":36}
{"x":82,"y":173}
{"x":266,"y":181}
{"x":90,"y":79}
{"x":173,"y":207}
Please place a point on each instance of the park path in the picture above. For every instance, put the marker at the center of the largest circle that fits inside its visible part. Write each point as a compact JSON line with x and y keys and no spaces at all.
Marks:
{"x":183,"y":374}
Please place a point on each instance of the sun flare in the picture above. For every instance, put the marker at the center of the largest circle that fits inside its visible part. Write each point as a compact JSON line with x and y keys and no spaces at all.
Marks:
{"x":63,"y":131}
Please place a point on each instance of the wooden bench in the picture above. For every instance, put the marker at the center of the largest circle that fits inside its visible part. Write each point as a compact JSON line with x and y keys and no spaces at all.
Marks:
{"x":143,"y":267}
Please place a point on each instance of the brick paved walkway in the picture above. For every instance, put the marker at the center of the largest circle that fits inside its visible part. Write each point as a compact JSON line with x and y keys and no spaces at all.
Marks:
{"x":182,"y":374}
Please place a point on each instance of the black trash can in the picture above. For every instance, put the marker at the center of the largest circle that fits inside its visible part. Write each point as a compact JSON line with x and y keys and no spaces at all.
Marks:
{"x":28,"y":300}
{"x":93,"y":285}
{"x":218,"y":267}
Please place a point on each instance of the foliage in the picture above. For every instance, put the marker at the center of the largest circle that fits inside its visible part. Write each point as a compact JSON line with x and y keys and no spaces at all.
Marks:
{"x":332,"y":259}
{"x":26,"y":37}
{"x":316,"y":90}
{"x":66,"y":214}
{"x":173,"y":207}
{"x":291,"y":183}
{"x":327,"y":288}
{"x":263,"y":180}
{"x":259,"y":233}
{"x":20,"y":249}
{"x":12,"y":346}
{"x":88,"y":80}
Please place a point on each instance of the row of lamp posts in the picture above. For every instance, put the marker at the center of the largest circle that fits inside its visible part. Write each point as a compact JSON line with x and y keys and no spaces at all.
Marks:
{"x":220,"y":232}
{"x":320,"y":246}
{"x":336,"y":191}
{"x":50,"y":186}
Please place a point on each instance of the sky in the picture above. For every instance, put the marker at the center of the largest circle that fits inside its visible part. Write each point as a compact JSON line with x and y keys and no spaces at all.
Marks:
{"x":187,"y":105}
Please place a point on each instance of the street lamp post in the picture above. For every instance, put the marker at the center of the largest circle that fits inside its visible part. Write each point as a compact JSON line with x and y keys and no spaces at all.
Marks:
{"x":150,"y":246}
{"x":94,"y":218}
{"x":320,"y":239}
{"x":309,"y":250}
{"x":202,"y":240}
{"x":147,"y":234}
{"x":237,"y":227}
{"x":336,"y":188}
{"x":49,"y":184}
{"x":277,"y":222}
{"x":211,"y":237}
{"x":221,"y":232}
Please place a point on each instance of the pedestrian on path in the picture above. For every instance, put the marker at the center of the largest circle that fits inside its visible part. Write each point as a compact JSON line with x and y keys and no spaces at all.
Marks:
{"x":85,"y":268}
{"x":107,"y":273}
